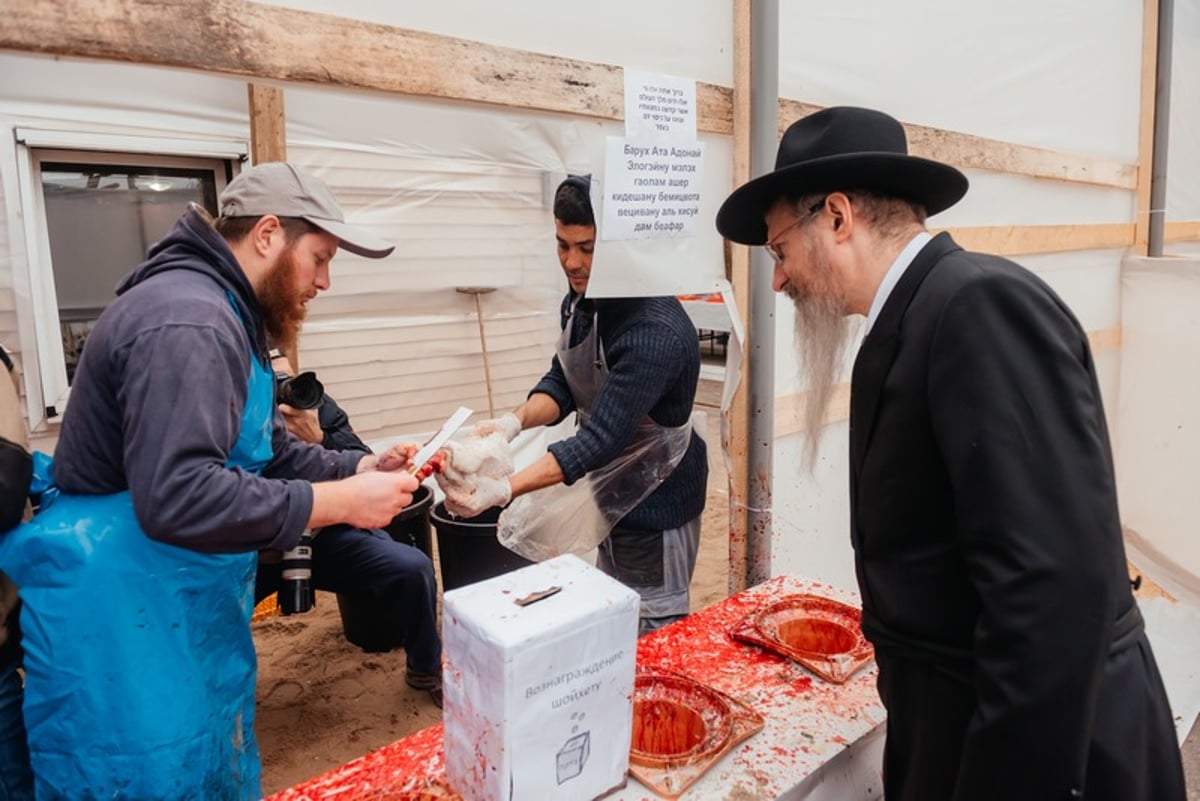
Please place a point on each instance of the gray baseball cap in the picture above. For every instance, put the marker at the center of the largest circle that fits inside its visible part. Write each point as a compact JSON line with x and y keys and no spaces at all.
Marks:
{"x":282,"y":189}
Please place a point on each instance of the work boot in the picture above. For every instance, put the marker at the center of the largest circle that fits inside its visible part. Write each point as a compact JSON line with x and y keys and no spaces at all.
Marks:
{"x":430,"y":682}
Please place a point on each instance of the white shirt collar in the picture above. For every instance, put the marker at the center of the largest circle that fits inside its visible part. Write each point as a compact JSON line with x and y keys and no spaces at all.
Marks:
{"x":892,"y":276}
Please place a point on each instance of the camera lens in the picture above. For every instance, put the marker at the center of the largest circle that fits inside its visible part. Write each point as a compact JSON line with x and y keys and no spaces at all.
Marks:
{"x":302,"y":392}
{"x":295,"y":591}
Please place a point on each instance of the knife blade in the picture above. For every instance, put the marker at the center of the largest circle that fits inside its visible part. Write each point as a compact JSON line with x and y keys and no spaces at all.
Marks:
{"x":435,"y":443}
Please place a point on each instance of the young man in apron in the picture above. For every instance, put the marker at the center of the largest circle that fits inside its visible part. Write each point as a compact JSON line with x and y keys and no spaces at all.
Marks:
{"x":173,"y":468}
{"x":634,"y":475}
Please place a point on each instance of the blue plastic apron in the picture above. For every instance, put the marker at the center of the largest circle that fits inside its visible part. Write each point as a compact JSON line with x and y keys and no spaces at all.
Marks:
{"x":140,"y":666}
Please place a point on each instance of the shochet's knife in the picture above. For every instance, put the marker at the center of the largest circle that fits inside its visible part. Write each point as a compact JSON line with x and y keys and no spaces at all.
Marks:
{"x":435,"y":443}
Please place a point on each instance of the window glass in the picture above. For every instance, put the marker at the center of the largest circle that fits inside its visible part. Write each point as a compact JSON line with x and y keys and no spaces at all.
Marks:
{"x":101,"y":219}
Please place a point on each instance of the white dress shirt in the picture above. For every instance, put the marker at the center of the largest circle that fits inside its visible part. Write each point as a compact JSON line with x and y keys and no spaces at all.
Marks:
{"x":892,"y":276}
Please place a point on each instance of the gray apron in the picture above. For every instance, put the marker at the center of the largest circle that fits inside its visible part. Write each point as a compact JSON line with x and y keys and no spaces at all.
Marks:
{"x":576,"y":519}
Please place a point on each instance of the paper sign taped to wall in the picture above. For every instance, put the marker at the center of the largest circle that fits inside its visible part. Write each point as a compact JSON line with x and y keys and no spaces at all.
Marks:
{"x":651,"y":189}
{"x":659,"y":105}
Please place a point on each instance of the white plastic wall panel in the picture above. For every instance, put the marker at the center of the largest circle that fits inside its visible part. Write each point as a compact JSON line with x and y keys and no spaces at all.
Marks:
{"x":1160,"y":393}
{"x":1005,"y":199}
{"x":1026,"y":72}
{"x":105,"y":96}
{"x":462,"y":189}
{"x":465,"y":192}
{"x":1063,"y":75}
{"x":1183,"y":150}
{"x":1088,"y":281}
{"x":812,"y":510}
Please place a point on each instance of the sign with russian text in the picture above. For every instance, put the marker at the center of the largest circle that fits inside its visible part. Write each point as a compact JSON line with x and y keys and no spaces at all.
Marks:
{"x":651,"y":188}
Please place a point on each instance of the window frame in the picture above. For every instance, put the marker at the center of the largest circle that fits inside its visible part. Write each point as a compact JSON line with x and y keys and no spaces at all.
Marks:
{"x":47,"y":391}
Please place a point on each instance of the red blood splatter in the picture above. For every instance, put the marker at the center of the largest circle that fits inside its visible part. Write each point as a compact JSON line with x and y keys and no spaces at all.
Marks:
{"x":698,"y":647}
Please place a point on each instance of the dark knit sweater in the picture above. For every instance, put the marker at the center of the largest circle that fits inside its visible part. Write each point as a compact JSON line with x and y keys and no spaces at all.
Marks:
{"x":654,"y":364}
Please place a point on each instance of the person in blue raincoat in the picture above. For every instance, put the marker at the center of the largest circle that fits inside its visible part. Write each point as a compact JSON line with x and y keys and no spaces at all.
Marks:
{"x":173,"y":469}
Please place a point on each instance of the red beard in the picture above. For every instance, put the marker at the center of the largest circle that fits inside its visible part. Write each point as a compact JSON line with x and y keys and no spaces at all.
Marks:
{"x":281,"y":301}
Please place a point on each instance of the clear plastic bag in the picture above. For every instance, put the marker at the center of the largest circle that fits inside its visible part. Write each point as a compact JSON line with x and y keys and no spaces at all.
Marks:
{"x":576,"y":519}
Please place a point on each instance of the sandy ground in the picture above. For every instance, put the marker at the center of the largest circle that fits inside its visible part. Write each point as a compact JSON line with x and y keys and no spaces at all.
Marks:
{"x":323,"y":702}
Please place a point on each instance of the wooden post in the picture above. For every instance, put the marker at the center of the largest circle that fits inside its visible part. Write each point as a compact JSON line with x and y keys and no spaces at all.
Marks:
{"x":1145,"y":163}
{"x":268,"y":126}
{"x":737,"y":426}
{"x":268,"y":142}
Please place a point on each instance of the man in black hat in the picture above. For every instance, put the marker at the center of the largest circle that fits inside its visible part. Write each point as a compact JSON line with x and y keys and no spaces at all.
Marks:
{"x":1012,"y":657}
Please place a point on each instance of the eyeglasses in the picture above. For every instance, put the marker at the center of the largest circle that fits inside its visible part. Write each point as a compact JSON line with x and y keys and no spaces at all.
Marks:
{"x":773,"y":248}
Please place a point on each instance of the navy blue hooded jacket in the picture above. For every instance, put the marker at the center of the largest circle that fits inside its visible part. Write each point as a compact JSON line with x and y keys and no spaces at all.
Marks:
{"x":157,"y":400}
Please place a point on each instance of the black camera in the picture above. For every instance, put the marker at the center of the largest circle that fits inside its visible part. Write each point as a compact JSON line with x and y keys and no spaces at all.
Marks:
{"x":295,"y":589}
{"x":303,"y":391}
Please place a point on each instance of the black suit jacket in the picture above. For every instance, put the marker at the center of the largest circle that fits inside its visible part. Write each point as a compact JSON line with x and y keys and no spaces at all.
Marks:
{"x":335,"y":425}
{"x":989,"y":551}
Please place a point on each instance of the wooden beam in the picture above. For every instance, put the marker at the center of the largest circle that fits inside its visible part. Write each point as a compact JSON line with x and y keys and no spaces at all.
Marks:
{"x":789,"y":409}
{"x":1182,"y":232}
{"x":235,"y":37}
{"x":268,"y":124}
{"x":737,"y":430}
{"x":1141,"y":213}
{"x":1012,"y":240}
{"x":273,"y":43}
{"x":976,"y":152}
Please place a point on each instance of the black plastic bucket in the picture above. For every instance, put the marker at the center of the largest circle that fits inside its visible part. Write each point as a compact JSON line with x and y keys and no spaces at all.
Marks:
{"x":364,"y":622}
{"x":468,"y":550}
{"x":411,"y":526}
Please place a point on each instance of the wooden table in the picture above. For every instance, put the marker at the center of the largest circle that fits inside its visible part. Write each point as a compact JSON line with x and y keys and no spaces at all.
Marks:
{"x":821,"y":741}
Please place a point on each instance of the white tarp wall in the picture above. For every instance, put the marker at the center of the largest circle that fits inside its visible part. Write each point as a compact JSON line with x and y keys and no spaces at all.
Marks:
{"x":463,"y":189}
{"x":1062,"y":76}
{"x":1159,"y":418}
{"x":1159,"y":411}
{"x":1183,"y":152}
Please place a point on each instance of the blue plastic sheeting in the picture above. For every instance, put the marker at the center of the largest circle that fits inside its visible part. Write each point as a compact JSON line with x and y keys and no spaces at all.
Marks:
{"x":139,"y":662}
{"x":138,"y":657}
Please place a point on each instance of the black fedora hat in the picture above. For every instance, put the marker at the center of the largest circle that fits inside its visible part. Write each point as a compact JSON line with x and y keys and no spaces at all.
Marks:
{"x":840,"y":148}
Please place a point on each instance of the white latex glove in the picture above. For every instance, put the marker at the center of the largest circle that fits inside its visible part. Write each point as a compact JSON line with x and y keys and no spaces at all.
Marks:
{"x":472,"y":457}
{"x":508,"y":425}
{"x":475,"y":474}
{"x":473,"y":500}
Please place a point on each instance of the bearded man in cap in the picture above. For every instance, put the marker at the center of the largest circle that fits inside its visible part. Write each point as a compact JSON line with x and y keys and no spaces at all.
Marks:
{"x":1012,"y":658}
{"x":173,"y":469}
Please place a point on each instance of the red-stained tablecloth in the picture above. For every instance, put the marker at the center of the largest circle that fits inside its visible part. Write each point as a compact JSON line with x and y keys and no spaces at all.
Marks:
{"x":820,"y":741}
